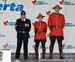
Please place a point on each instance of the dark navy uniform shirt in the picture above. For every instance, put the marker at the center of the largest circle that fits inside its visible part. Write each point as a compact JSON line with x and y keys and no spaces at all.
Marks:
{"x":23,"y":26}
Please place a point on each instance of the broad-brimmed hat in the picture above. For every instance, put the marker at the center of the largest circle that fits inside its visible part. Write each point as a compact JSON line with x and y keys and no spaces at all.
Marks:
{"x":57,"y":6}
{"x":40,"y":15}
{"x":23,"y":12}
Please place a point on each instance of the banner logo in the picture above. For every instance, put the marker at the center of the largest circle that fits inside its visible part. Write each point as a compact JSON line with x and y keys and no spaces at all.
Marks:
{"x":35,"y":2}
{"x":12,"y":7}
{"x":61,"y":2}
{"x":7,"y":23}
{"x":69,"y":3}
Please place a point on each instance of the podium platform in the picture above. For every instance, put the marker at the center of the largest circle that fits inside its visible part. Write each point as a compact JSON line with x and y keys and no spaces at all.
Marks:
{"x":68,"y":57}
{"x":5,"y":55}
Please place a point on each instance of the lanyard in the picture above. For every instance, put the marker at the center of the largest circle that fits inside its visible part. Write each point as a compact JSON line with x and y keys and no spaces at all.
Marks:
{"x":57,"y":17}
{"x":40,"y":26}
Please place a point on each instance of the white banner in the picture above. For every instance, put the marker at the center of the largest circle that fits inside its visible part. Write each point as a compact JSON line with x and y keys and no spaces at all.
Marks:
{"x":10,"y":11}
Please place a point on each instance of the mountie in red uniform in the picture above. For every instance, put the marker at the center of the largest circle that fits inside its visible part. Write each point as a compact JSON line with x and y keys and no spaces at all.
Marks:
{"x":40,"y":29}
{"x":56,"y":24}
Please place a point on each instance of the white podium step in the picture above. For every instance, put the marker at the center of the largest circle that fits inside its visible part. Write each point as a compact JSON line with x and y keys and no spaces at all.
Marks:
{"x":5,"y":55}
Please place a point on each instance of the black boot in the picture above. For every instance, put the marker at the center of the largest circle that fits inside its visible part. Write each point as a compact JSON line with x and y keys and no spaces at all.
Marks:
{"x":51,"y":53}
{"x":36,"y":53}
{"x":61,"y":52}
{"x":26,"y":56}
{"x":43,"y":55}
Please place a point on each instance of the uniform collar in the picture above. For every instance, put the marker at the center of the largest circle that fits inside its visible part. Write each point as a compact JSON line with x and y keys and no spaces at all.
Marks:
{"x":56,"y":13}
{"x":23,"y":19}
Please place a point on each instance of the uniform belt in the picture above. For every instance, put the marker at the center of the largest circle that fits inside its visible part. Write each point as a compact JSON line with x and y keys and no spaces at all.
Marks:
{"x":22,"y":32}
{"x":56,"y":26}
{"x":40,"y":31}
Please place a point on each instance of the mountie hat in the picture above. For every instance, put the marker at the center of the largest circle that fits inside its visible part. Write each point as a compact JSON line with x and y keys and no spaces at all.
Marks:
{"x":40,"y":15}
{"x":23,"y":12}
{"x":57,"y":6}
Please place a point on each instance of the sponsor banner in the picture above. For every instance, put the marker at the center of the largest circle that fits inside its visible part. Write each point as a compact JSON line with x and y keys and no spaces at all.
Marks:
{"x":10,"y":11}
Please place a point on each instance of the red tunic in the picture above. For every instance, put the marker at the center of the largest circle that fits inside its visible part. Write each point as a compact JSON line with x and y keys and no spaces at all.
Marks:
{"x":58,"y":20}
{"x":42,"y":27}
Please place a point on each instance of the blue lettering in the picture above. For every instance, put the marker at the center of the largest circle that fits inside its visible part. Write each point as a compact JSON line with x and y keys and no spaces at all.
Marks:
{"x":6,"y":6}
{"x":19,"y":8}
{"x":1,"y":6}
{"x":12,"y":7}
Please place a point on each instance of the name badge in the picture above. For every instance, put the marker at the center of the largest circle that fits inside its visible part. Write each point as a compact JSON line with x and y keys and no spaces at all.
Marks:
{"x":26,"y":25}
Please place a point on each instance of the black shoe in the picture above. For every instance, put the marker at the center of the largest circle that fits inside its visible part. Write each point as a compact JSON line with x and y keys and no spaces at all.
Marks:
{"x":43,"y":57}
{"x":50,"y":57}
{"x":61,"y":57}
{"x":36,"y":57}
{"x":25,"y":58}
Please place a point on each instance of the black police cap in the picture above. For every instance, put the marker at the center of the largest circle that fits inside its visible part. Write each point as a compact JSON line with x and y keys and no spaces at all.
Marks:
{"x":23,"y":12}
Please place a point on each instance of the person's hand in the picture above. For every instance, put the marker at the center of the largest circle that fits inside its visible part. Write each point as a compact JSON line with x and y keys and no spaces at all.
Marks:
{"x":48,"y":35}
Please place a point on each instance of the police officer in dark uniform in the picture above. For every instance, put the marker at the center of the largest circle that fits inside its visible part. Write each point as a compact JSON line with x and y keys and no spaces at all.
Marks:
{"x":23,"y":26}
